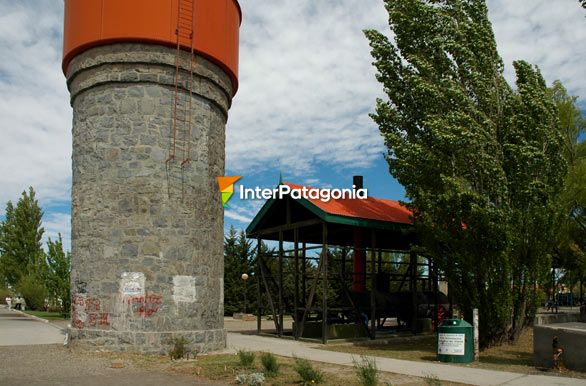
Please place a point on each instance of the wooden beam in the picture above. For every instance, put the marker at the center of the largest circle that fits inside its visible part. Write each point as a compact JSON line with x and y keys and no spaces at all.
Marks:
{"x":304,"y":274}
{"x":413,"y":288}
{"x":264,"y":273}
{"x":286,"y":227}
{"x":372,"y":286}
{"x":258,"y":284}
{"x":296,"y":279}
{"x":280,"y":285}
{"x":325,"y":284}
{"x":309,"y":300}
{"x":435,"y":294}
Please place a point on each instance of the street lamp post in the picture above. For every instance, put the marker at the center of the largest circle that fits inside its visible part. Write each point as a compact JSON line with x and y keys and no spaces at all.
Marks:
{"x":245,"y":278}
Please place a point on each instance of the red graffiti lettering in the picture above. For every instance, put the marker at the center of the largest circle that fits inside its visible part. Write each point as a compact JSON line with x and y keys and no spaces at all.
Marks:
{"x":87,"y":312}
{"x":145,"y":305}
{"x":104,"y":319}
{"x":79,"y":300}
{"x":92,"y":305}
{"x":77,"y":323}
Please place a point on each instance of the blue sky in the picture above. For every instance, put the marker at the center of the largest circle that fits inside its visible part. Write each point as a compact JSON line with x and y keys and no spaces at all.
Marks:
{"x":306,"y":88}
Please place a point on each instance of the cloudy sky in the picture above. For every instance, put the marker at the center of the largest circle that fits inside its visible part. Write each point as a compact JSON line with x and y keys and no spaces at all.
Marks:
{"x":306,"y":88}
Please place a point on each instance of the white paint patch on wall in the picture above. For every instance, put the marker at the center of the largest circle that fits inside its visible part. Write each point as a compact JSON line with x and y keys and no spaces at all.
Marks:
{"x":184,"y":289}
{"x":132,"y":283}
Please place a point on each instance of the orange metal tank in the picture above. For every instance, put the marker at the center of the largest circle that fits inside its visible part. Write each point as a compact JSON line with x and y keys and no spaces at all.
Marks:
{"x":216,"y":24}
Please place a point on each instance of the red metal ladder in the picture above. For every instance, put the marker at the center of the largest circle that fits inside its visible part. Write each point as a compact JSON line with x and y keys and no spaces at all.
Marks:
{"x":182,"y":101}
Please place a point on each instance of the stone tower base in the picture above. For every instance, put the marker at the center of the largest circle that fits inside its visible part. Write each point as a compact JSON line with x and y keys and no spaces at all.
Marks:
{"x":146,"y":342}
{"x":147,"y":218}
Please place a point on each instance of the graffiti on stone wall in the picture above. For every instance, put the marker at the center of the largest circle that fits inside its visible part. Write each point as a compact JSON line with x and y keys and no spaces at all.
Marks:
{"x":145,"y":305}
{"x":87,"y":312}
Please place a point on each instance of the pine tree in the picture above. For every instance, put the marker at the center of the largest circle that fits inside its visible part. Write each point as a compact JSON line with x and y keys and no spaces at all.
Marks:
{"x":237,"y":257}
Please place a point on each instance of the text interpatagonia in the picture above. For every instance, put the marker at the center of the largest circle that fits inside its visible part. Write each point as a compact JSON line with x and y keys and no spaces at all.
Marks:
{"x":281,"y":191}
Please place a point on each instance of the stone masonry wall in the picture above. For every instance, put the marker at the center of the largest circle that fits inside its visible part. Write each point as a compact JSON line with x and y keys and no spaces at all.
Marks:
{"x":147,"y":231}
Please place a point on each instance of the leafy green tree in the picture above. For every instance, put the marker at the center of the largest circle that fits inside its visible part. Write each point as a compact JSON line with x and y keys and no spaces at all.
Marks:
{"x":480,"y":162}
{"x":535,"y":168}
{"x":20,"y":240}
{"x":571,"y":121}
{"x":58,"y":274}
{"x":33,"y":290}
{"x":570,"y":254}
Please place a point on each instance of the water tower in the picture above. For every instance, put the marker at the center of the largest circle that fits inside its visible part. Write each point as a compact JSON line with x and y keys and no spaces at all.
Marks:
{"x":151,"y":82}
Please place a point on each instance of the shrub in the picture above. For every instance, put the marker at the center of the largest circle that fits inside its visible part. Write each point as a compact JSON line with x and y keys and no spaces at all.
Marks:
{"x":253,"y":379}
{"x":269,"y":363}
{"x":241,"y":379}
{"x":4,"y":293}
{"x":179,"y":349}
{"x":366,"y":371}
{"x":33,"y":291}
{"x":432,"y":380}
{"x":246,"y":358}
{"x":308,"y":374}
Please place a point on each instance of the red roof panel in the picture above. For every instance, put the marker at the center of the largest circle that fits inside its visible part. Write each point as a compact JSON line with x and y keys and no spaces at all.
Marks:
{"x":371,"y":208}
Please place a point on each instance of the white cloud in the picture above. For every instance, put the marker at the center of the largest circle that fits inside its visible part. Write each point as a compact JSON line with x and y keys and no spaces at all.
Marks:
{"x":306,"y":85}
{"x":56,"y":223}
{"x":35,"y":117}
{"x":237,"y":216}
{"x":550,"y":34}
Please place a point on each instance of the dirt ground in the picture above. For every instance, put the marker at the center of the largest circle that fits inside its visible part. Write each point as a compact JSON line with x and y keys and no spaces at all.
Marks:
{"x":47,"y":365}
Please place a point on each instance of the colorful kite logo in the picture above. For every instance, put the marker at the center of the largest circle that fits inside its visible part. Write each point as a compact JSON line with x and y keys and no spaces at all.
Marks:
{"x":226,"y":185}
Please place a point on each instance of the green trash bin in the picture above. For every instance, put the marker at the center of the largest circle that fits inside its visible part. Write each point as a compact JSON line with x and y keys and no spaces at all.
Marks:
{"x":455,"y":341}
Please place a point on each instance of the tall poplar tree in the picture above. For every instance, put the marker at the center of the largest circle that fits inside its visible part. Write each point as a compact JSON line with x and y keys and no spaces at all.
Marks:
{"x":57,"y":279}
{"x":480,"y":162}
{"x":20,"y":239}
{"x":571,"y":253}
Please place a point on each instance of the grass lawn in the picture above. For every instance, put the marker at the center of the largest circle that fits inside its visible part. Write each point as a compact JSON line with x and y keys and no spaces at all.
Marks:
{"x":517,"y":357}
{"x":46,"y":315}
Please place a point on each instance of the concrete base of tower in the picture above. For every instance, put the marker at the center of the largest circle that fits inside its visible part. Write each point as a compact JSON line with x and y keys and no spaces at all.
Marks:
{"x":202,"y":341}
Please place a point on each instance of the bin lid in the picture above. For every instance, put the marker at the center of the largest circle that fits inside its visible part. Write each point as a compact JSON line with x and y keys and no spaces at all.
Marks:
{"x":455,"y":323}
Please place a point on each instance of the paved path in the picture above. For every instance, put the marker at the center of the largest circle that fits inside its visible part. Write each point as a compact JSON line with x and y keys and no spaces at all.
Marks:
{"x":18,"y":329}
{"x":473,"y":376}
{"x":55,"y":365}
{"x":32,"y":354}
